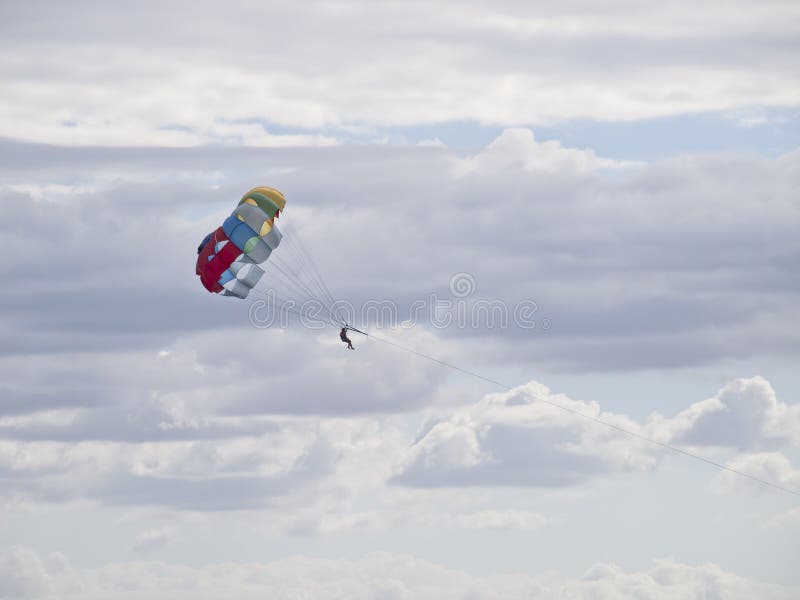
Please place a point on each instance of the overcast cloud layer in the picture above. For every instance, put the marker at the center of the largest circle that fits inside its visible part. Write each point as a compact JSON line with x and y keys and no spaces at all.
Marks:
{"x":128,"y":390}
{"x":94,"y":73}
{"x":708,"y":244}
{"x":157,"y":439}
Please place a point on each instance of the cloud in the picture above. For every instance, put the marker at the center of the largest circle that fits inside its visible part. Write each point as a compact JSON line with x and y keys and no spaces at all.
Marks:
{"x":203,"y":387}
{"x":334,"y":523}
{"x":474,"y":62}
{"x":26,"y":575}
{"x":518,"y":520}
{"x":767,"y":466}
{"x":116,"y":346}
{"x":745,"y":414}
{"x":379,"y":575}
{"x":523,"y":437}
{"x":668,"y":579}
{"x":150,"y":540}
{"x":787,"y":519}
{"x":129,"y":134}
{"x":22,"y":574}
{"x":706,"y":243}
{"x":517,"y":149}
{"x":199,"y":454}
{"x":529,"y":436}
{"x":192,"y":475}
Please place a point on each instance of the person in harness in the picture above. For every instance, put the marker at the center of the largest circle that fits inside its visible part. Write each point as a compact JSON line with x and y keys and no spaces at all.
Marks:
{"x":345,"y":339}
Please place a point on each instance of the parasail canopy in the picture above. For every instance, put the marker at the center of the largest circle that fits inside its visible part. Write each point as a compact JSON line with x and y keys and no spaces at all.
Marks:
{"x":233,"y":259}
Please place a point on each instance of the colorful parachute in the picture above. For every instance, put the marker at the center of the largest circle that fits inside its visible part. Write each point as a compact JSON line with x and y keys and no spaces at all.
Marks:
{"x":229,"y":258}
{"x":233,"y":259}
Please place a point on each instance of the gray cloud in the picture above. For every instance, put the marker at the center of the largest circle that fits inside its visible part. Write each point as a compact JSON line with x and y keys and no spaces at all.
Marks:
{"x":707,"y":244}
{"x":130,"y":395}
{"x":189,"y":74}
{"x":242,"y":474}
{"x":112,"y":340}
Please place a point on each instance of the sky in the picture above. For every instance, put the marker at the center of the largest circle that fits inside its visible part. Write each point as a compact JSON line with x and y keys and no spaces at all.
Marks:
{"x":588,"y":211}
